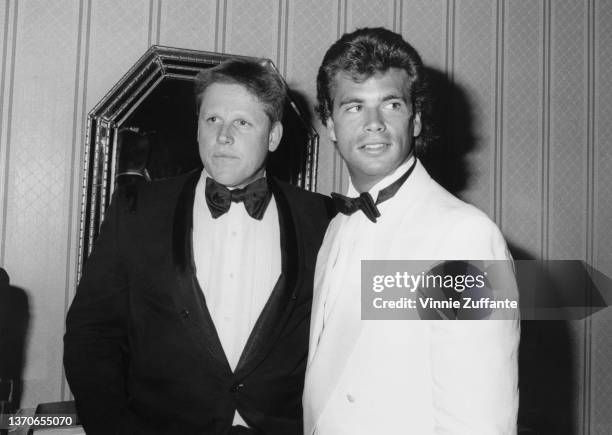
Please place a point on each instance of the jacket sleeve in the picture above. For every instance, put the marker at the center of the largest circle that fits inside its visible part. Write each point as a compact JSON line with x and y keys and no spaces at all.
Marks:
{"x":95,"y":341}
{"x":475,"y":362}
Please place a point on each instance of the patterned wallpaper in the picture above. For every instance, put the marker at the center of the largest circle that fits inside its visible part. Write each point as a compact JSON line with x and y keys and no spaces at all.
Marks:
{"x":530,"y":110}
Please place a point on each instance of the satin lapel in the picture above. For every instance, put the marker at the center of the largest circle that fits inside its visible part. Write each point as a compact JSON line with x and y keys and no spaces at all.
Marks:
{"x":189,"y":298}
{"x":325,"y":261}
{"x":340,"y":334}
{"x":333,"y":338}
{"x":279,"y":306}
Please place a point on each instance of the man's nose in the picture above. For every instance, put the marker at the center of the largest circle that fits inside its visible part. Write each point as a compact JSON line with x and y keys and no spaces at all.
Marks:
{"x":374,"y":121}
{"x":224,"y":135}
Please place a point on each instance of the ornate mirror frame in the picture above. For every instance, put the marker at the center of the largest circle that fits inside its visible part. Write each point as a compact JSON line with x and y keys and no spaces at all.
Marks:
{"x":156,"y":67}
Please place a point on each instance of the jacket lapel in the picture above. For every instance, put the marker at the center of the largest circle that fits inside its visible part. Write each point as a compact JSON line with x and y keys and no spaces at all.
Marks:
{"x":325,"y":262}
{"x":278,"y":308}
{"x":189,"y":298}
{"x":333,"y":336}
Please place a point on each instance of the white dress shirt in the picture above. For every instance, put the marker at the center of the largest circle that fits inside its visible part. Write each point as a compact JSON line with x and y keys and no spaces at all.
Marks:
{"x":238,"y":262}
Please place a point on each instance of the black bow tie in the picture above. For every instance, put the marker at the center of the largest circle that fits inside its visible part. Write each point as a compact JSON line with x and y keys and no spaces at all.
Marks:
{"x":365,"y":203}
{"x":256,"y":197}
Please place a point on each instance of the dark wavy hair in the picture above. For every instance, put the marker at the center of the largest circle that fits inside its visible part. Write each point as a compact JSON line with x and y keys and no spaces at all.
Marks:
{"x":365,"y":52}
{"x":259,"y":79}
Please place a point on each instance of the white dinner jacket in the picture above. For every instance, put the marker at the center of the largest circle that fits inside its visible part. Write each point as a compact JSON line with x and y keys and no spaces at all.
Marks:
{"x":412,"y":376}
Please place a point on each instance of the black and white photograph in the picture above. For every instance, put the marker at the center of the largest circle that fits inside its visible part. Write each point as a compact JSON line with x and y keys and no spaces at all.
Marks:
{"x":318,"y":217}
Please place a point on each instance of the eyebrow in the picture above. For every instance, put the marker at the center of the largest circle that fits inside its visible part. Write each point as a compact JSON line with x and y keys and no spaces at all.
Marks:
{"x":393,"y":97}
{"x":350,"y":101}
{"x":353,"y":100}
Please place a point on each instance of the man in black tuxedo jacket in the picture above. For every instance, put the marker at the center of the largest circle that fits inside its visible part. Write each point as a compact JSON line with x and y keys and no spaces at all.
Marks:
{"x":192,"y":315}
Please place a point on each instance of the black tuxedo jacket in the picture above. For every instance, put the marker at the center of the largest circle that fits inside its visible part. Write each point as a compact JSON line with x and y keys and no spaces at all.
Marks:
{"x":141,"y":351}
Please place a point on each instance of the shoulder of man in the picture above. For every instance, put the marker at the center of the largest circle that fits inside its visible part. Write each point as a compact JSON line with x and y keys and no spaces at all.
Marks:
{"x":307,"y":203}
{"x":473,"y":233}
{"x":156,"y":195}
{"x":466,"y":229}
{"x":448,"y":207}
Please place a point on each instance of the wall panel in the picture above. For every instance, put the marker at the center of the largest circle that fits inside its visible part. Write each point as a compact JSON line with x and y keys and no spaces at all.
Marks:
{"x":4,"y":19}
{"x":603,"y":130}
{"x":370,"y":13}
{"x":189,"y":24}
{"x":254,"y":28}
{"x":37,"y":191}
{"x":118,"y":36}
{"x":522,"y":133}
{"x":601,"y":398}
{"x":474,"y":113}
{"x":424,"y":26}
{"x":568,"y":177}
{"x":313,"y":27}
{"x":6,"y":49}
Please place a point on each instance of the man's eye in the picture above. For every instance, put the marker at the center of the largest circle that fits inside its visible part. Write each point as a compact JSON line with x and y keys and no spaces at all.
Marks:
{"x":242,"y":123}
{"x":354,"y":109}
{"x":394,"y":105}
{"x":212,"y":119}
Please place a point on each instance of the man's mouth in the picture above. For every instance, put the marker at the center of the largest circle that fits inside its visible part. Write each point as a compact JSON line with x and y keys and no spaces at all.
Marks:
{"x":374,"y":147}
{"x":224,"y":156}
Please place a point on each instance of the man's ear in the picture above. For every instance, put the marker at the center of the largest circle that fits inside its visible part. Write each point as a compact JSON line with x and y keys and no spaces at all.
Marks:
{"x":329,"y":124}
{"x":274,"y":138}
{"x":416,"y":124}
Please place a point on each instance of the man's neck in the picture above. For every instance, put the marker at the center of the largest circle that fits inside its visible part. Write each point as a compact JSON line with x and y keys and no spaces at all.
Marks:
{"x":365,"y":184}
{"x":257,"y":175}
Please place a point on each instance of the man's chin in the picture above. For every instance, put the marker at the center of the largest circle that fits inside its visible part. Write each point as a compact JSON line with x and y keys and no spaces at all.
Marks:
{"x":231,"y":180}
{"x":374,"y":171}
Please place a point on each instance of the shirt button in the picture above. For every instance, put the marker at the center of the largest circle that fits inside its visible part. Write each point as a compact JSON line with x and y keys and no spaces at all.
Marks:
{"x":233,"y":233}
{"x":350,"y":398}
{"x":231,"y":275}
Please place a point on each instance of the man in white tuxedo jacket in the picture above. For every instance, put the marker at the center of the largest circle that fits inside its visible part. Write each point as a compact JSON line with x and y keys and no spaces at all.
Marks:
{"x":391,"y":376}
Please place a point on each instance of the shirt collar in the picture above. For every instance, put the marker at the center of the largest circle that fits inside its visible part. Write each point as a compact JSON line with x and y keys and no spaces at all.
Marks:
{"x":205,"y":175}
